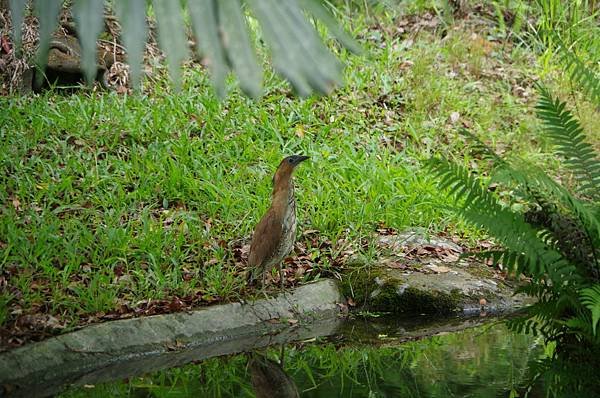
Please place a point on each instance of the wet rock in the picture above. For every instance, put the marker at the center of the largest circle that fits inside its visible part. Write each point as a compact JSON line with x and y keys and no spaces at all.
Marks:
{"x":420,"y":274}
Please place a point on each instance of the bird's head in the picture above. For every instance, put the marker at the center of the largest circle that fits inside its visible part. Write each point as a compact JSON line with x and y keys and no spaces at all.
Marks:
{"x":286,"y":167}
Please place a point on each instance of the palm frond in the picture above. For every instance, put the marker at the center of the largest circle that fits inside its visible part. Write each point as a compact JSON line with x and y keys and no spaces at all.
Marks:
{"x":223,"y":35}
{"x":570,"y":141}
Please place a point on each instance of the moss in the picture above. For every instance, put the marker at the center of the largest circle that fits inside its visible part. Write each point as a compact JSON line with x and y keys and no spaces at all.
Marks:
{"x":361,"y":285}
{"x":414,"y":301}
{"x":480,"y":271}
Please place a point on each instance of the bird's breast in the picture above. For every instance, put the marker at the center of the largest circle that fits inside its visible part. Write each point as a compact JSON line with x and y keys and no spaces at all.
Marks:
{"x":289,"y":228}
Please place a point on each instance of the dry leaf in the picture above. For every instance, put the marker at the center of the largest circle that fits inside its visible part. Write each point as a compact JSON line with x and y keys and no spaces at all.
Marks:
{"x":454,"y":116}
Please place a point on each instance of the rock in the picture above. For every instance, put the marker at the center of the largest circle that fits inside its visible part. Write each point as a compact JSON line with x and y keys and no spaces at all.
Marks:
{"x":125,"y":348}
{"x":424,"y":275}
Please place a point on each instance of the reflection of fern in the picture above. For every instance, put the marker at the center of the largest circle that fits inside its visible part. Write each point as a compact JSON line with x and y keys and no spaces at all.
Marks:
{"x":569,"y":139}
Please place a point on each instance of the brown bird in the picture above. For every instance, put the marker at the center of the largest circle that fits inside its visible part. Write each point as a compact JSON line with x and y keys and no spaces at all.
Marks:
{"x":275,"y":234}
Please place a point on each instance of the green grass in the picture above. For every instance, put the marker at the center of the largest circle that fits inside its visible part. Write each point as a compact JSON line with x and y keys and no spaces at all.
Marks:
{"x":109,"y":199}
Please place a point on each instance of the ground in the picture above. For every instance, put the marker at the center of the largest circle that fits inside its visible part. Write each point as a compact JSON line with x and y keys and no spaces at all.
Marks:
{"x":118,"y":205}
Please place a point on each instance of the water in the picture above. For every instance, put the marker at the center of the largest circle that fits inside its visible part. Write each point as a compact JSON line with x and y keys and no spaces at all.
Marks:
{"x":373,"y":357}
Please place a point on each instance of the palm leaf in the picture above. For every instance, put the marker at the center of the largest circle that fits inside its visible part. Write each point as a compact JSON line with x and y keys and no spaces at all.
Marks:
{"x":203,"y":14}
{"x":171,"y":36}
{"x":89,"y":16}
{"x":238,"y":49}
{"x":300,"y":40}
{"x":132,"y":14}
{"x":17,"y":8}
{"x":47,"y":12}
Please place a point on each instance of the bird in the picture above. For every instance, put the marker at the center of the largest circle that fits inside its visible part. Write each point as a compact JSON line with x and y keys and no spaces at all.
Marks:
{"x":275,"y":233}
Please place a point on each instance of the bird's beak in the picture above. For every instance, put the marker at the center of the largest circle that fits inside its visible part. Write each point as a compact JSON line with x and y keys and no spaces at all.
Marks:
{"x":301,"y":158}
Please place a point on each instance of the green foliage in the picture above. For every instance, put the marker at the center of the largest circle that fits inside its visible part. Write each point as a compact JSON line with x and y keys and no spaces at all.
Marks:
{"x":556,"y":240}
{"x":569,"y":139}
{"x":590,"y":297}
{"x":221,"y":33}
{"x":579,"y":72}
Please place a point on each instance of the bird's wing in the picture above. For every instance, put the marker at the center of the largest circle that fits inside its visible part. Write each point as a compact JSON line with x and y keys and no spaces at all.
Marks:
{"x":265,"y":240}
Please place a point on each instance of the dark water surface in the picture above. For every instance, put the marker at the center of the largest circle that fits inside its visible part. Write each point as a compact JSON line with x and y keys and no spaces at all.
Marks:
{"x":374,"y":357}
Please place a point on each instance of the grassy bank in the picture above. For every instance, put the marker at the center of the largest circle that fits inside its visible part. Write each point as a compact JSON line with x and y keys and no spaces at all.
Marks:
{"x":117,"y":205}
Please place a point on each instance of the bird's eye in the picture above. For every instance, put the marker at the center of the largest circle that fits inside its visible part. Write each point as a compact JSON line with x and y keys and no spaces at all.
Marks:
{"x":290,"y":160}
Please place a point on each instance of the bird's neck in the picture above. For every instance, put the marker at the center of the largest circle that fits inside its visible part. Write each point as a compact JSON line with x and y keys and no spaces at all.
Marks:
{"x":283,"y":193}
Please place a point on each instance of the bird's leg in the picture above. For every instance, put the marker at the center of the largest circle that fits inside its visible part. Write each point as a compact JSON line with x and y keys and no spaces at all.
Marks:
{"x":263,"y":290}
{"x":282,"y":277}
{"x":282,"y":356}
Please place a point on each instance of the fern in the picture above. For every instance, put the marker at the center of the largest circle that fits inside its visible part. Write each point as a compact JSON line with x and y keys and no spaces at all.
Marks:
{"x":590,"y":298}
{"x":481,"y":149}
{"x":569,"y":140}
{"x":480,"y":207}
{"x":556,"y":242}
{"x":579,"y":72}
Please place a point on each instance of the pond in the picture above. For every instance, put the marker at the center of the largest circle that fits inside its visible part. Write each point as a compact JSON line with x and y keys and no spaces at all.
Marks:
{"x":365,"y":357}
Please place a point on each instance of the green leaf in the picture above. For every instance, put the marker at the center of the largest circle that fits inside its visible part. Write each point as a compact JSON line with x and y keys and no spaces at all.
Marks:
{"x":317,"y":9}
{"x":89,"y":16}
{"x":285,"y":59}
{"x":17,"y":7}
{"x":132,"y":14}
{"x":578,"y":71}
{"x":47,"y":13}
{"x":570,"y":142}
{"x":590,"y":297}
{"x":239,"y":51}
{"x":204,"y":21}
{"x":326,"y":70}
{"x":171,"y":36}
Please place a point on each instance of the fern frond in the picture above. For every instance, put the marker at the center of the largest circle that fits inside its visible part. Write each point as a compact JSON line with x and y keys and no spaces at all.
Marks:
{"x":481,"y":208}
{"x":570,"y":141}
{"x":590,"y":298}
{"x":462,"y":184}
{"x":481,"y":149}
{"x":579,"y":72}
{"x":531,"y":253}
{"x":506,"y":258}
{"x":537,"y":180}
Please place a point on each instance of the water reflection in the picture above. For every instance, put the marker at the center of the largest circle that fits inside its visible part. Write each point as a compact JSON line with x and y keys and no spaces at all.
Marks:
{"x":269,"y":379}
{"x":361,"y":361}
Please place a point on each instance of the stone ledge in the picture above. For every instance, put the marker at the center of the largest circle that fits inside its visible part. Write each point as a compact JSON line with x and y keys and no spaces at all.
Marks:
{"x":119,"y":349}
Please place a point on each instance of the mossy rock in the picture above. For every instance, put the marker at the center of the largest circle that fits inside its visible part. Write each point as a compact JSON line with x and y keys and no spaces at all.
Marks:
{"x":469,"y":290}
{"x":371,"y":289}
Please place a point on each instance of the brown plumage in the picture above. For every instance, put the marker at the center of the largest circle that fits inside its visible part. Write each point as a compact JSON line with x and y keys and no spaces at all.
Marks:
{"x":274,"y":236}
